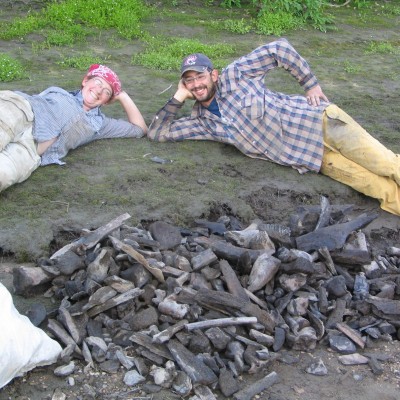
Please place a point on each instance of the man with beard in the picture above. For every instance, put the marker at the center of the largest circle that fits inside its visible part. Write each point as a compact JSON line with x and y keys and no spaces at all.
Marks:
{"x":307,"y":133}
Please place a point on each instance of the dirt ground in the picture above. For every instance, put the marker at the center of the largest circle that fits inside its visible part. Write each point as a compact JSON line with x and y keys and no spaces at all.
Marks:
{"x":206,"y":180}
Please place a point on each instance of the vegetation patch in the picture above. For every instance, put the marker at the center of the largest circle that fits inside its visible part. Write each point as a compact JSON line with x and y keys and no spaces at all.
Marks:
{"x":377,"y":47}
{"x":167,"y":53}
{"x":69,"y":18}
{"x":10,"y":69}
{"x":269,"y":23}
{"x":81,"y":61}
{"x":240,"y":26}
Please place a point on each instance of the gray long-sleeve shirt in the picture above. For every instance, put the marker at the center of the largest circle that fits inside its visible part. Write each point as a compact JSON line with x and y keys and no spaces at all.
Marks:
{"x":60,"y":114}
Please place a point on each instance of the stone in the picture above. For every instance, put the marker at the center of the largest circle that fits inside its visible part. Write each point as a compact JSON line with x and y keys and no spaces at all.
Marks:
{"x":264,"y":270}
{"x":249,"y":391}
{"x":37,"y":313}
{"x":30,"y":280}
{"x":203,"y":259}
{"x":170,"y":307}
{"x":167,"y":235}
{"x":336,"y":286}
{"x":198,"y":372}
{"x":65,"y":370}
{"x":69,"y":262}
{"x":317,"y":368}
{"x":119,"y":284}
{"x":218,"y":338}
{"x":97,"y":270}
{"x":387,"y":328}
{"x":298,"y":306}
{"x":199,"y":343}
{"x":182,"y":384}
{"x":204,"y":392}
{"x":279,"y":338}
{"x":353,"y":359}
{"x":300,"y":265}
{"x":163,"y":376}
{"x":58,"y":395}
{"x":142,"y":319}
{"x":133,"y":378}
{"x":342,"y":344}
{"x":305,"y":340}
{"x":110,"y":366}
{"x":251,"y":239}
{"x":137,"y":274}
{"x":262,"y":338}
{"x":182,"y":263}
{"x":293,"y":282}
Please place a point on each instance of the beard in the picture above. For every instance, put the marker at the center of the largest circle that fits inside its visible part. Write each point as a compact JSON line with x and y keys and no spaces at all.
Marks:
{"x":209,"y":93}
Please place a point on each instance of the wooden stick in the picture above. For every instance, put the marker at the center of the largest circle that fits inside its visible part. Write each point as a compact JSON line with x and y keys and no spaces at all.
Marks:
{"x":232,"y":281}
{"x":89,"y":241}
{"x":351,"y":334}
{"x":220,"y":322}
{"x":255,"y":388}
{"x":137,"y":256}
{"x":115,"y":301}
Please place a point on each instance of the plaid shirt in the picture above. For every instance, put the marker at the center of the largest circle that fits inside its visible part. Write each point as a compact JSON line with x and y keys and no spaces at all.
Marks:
{"x":60,"y":114}
{"x":259,"y":122}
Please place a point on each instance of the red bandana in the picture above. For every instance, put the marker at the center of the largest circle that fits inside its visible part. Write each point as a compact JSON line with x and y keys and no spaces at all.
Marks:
{"x":108,"y":75}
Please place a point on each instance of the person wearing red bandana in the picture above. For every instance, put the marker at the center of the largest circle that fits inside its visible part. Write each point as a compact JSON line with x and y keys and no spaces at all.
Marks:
{"x":40,"y":129}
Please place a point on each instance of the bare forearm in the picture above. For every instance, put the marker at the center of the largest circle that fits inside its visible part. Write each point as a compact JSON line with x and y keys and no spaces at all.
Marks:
{"x":132,"y":112}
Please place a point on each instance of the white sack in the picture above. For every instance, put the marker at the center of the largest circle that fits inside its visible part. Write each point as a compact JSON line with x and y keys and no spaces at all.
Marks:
{"x":23,"y":346}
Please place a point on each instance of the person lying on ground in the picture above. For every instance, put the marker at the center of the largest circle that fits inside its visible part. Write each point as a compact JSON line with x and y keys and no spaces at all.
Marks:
{"x":40,"y":129}
{"x":307,"y":133}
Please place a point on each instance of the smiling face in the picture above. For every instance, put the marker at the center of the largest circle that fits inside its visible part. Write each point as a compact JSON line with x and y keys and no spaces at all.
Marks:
{"x":202,"y":85}
{"x":95,"y":92}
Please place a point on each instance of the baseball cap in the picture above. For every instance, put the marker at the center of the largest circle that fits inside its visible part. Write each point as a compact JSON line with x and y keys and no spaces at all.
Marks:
{"x":108,"y":75}
{"x":196,"y":62}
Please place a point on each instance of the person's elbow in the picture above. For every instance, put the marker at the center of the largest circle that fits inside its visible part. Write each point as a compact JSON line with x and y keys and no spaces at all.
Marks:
{"x":140,"y":129}
{"x":155,"y":136}
{"x":145,"y":130}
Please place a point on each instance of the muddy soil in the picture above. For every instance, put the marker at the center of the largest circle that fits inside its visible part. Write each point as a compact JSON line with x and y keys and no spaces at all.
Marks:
{"x":215,"y":180}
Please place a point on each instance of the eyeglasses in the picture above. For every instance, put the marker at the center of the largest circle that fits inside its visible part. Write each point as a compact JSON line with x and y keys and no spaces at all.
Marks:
{"x":198,"y":78}
{"x":100,"y":85}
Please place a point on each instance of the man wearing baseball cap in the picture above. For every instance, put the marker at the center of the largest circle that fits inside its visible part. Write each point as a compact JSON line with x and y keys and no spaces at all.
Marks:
{"x":305,"y":132}
{"x":40,"y":129}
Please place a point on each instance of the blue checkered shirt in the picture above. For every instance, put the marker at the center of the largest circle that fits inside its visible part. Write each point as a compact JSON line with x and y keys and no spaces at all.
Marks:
{"x":58,"y":113}
{"x":261,"y":123}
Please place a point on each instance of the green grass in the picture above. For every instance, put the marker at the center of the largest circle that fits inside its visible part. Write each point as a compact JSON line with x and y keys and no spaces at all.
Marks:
{"x":10,"y":69}
{"x":167,"y":54}
{"x":268,"y":23}
{"x":70,"y":16}
{"x":382,"y":47}
{"x":351,"y":67}
{"x":81,"y":61}
{"x":240,"y":26}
